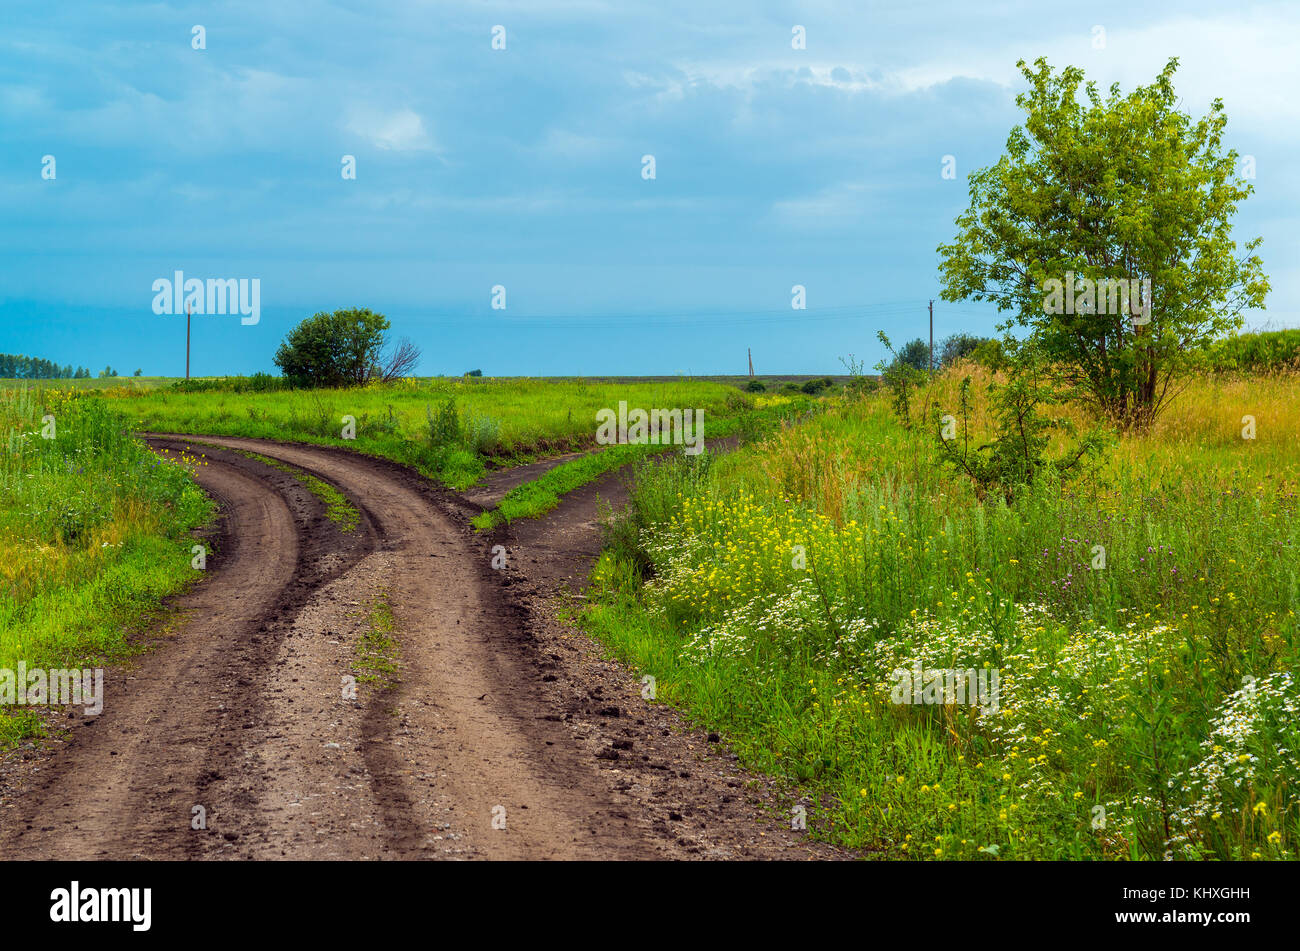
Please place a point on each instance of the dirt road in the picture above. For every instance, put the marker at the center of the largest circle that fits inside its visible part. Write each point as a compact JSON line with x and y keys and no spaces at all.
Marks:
{"x":501,"y":734}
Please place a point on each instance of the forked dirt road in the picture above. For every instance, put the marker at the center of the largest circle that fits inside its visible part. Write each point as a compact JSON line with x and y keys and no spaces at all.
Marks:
{"x":503,"y":733}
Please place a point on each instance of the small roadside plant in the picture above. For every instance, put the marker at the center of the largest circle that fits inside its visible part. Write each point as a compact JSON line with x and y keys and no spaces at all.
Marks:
{"x":901,"y":378}
{"x":1016,"y":455}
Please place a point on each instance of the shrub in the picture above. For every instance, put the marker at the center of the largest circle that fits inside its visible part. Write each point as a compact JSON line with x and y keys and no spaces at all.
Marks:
{"x":444,"y":426}
{"x":901,"y":377}
{"x":1016,"y":455}
{"x":338,"y":349}
{"x":991,"y":354}
{"x":257,"y":383}
{"x":914,"y":354}
{"x":956,"y":346}
{"x":1267,"y":352}
{"x":481,"y":434}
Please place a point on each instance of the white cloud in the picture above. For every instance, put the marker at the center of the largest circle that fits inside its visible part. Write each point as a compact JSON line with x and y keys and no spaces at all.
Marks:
{"x":840,"y":204}
{"x":398,"y":131}
{"x":1246,"y":58}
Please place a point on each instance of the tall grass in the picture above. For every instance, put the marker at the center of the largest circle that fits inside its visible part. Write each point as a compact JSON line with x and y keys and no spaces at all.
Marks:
{"x":1148,"y":705}
{"x":92,"y":532}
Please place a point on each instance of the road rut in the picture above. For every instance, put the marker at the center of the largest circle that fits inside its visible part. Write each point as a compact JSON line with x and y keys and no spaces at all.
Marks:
{"x":498,"y":736}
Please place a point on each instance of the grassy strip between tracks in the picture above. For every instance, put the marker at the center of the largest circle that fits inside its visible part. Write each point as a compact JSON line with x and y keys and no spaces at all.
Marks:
{"x":337,"y":507}
{"x":536,"y":498}
{"x":376,"y":649}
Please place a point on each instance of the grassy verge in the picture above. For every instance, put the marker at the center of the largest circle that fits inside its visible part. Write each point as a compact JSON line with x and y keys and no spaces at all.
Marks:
{"x":536,"y":498}
{"x":94,"y":533}
{"x":1146,"y":708}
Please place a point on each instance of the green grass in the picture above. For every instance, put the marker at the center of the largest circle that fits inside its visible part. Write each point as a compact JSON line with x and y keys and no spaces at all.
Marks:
{"x":536,"y":498}
{"x":337,"y":507}
{"x":94,"y":383}
{"x":1148,"y":707}
{"x":94,"y":533}
{"x":539,"y":496}
{"x":376,"y":651}
{"x":501,"y":422}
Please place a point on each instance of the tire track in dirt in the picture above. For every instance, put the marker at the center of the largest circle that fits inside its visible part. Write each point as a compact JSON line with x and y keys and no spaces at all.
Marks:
{"x":498,"y":710}
{"x":466,"y":690}
{"x":123,"y":784}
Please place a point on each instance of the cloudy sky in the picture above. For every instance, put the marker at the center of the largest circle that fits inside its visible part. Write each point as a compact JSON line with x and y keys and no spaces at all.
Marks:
{"x":522,"y":167}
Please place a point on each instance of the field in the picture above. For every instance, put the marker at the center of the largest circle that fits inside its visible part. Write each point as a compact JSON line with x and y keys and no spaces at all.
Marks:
{"x":448,"y":429}
{"x":1143,"y":705}
{"x":1147,"y":704}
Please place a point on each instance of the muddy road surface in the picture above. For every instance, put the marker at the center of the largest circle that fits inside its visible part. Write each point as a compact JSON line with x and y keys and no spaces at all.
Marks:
{"x":381,"y":690}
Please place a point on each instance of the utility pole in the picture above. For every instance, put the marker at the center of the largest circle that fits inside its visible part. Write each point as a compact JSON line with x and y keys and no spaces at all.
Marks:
{"x":931,"y":336}
{"x":187,"y":341}
{"x":751,"y":360}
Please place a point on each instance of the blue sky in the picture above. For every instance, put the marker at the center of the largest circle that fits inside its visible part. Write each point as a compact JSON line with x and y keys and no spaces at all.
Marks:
{"x":522,"y":168}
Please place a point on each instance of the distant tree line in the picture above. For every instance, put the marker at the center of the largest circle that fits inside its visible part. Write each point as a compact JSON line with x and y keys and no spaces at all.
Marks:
{"x":20,"y":367}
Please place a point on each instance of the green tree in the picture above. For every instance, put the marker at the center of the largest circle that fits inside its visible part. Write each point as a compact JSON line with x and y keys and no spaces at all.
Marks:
{"x":915,"y":354}
{"x":1125,"y":188}
{"x":1016,"y":454}
{"x":333,"y":349}
{"x":955,"y":346}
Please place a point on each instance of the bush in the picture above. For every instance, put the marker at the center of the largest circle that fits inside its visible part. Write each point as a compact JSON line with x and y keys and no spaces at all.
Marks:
{"x":991,"y":354}
{"x":481,"y":434}
{"x":755,"y":386}
{"x":914,"y":354}
{"x":901,"y":377}
{"x":338,"y":349}
{"x":444,"y":426}
{"x":1267,"y":352}
{"x":257,"y":383}
{"x":861,"y":385}
{"x":815,"y":386}
{"x":956,"y":346}
{"x":1016,"y":455}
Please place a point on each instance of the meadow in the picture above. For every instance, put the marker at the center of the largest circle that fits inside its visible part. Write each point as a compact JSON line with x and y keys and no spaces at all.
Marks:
{"x":449,"y":429}
{"x":94,"y":532}
{"x":1147,"y":702}
{"x":1147,"y":706}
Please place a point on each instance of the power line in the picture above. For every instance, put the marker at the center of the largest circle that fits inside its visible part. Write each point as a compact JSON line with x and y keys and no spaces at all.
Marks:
{"x":709,"y":318}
